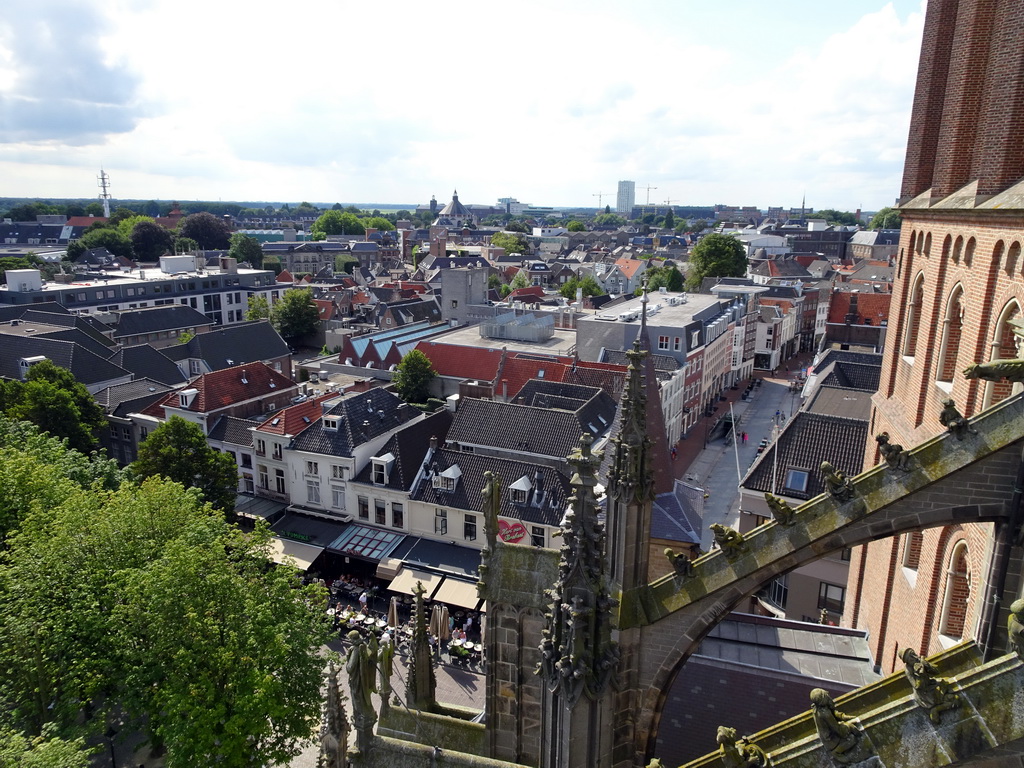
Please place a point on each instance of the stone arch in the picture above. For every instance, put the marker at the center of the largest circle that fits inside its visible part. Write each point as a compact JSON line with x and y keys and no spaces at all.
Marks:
{"x":1003,"y":344}
{"x":956,"y":592}
{"x":681,"y":631}
{"x":952,"y":325}
{"x":958,"y":248}
{"x":912,"y":543}
{"x":1012,"y":258}
{"x":919,"y":244}
{"x":928,"y":245}
{"x":947,"y":245}
{"x":913,"y":322}
{"x":969,"y":248}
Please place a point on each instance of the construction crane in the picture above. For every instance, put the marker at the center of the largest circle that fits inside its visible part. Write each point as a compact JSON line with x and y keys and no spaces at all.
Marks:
{"x":600,"y":196}
{"x":643,"y":211}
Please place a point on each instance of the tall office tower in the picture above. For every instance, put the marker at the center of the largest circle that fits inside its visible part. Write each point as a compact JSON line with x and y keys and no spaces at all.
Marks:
{"x":959,"y":288}
{"x":626,"y":197}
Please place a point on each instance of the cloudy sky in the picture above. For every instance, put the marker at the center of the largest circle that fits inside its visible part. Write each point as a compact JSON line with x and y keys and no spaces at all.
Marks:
{"x":741,"y":102}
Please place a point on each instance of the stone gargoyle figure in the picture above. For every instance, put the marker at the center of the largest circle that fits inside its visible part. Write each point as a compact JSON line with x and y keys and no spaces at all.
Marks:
{"x":681,"y":563}
{"x":737,"y":752}
{"x":893,"y":453}
{"x":954,"y":422}
{"x":1015,"y":628}
{"x":837,"y":731}
{"x":781,"y":510}
{"x":729,"y":540}
{"x":933,"y":693}
{"x":836,"y":483}
{"x":1009,"y":369}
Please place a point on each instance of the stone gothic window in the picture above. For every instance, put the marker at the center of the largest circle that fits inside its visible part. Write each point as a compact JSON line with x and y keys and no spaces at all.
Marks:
{"x":914,"y":310}
{"x":957,"y":592}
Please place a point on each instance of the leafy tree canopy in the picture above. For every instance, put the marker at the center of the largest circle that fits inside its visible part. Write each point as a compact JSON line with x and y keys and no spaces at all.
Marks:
{"x":668,"y":277}
{"x":521,"y":280}
{"x":832,"y":216}
{"x":512,"y":242}
{"x":887,"y":218}
{"x":259,"y":308}
{"x":413,"y":376}
{"x":246,"y":249}
{"x":46,"y":751}
{"x":576,"y":226}
{"x":609,"y":220}
{"x":589,"y":285}
{"x":177,"y":450}
{"x":716,"y":255}
{"x":109,"y":238}
{"x":379,"y":223}
{"x":517,"y":226}
{"x":670,"y":219}
{"x":210,"y":232}
{"x":295,"y":315}
{"x":149,"y":240}
{"x":338,"y":223}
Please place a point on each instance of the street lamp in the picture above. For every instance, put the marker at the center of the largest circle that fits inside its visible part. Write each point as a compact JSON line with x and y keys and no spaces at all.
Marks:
{"x":110,"y":733}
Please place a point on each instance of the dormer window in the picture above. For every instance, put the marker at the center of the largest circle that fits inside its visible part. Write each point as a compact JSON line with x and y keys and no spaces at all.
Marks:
{"x":520,"y":490}
{"x":381,"y":468}
{"x":186,"y":396}
{"x":796,"y":480}
{"x":447,"y":480}
{"x":331,"y":423}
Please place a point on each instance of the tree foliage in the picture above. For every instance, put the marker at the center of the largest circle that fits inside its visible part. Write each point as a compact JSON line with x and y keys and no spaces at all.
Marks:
{"x":576,"y":226}
{"x":716,"y":256}
{"x":209,"y":232}
{"x":259,"y":308}
{"x":832,"y":216}
{"x":668,"y":277}
{"x":413,"y":376}
{"x":338,"y":223}
{"x":177,"y":450}
{"x":886,"y":218}
{"x":53,"y":400}
{"x":589,"y":285}
{"x":150,"y":241}
{"x":45,"y":751}
{"x":517,"y":226}
{"x":295,"y":315}
{"x":379,"y":223}
{"x":512,"y":242}
{"x":145,"y":601}
{"x":521,"y":280}
{"x":670,"y":219}
{"x":109,"y":238}
{"x":609,"y":220}
{"x":246,"y":250}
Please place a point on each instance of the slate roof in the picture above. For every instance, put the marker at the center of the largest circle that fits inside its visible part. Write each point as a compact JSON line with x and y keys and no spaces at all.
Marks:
{"x":415,"y":311}
{"x":383,"y":410}
{"x":233,"y":430}
{"x":87,"y":367}
{"x":10,"y":312}
{"x":237,"y":344}
{"x":545,"y":431}
{"x":122,"y":399}
{"x":808,"y":440}
{"x":144,"y":360}
{"x":409,"y":446}
{"x":85,"y":337}
{"x":468,"y":489}
{"x":136,"y":322}
{"x":853,"y":375}
{"x":455,"y":208}
{"x":841,"y":401}
{"x":662,"y":363}
{"x":676,"y":515}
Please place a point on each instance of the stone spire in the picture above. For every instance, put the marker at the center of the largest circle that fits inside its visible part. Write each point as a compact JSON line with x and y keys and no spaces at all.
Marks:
{"x":334,"y":731}
{"x":578,"y":656}
{"x":422,"y":681}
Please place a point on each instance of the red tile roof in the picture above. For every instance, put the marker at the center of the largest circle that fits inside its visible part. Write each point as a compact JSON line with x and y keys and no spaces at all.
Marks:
{"x":285,"y":277}
{"x":530,"y":292}
{"x":628,"y":267}
{"x":295,"y":418}
{"x":872,"y":306}
{"x":85,"y":221}
{"x":226,"y":387}
{"x":462,"y":362}
{"x":325,"y":308}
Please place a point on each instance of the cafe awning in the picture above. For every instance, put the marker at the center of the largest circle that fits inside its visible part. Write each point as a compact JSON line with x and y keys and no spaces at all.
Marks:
{"x":303,"y":554}
{"x":406,"y":580}
{"x":457,"y":592}
{"x":388,"y":569}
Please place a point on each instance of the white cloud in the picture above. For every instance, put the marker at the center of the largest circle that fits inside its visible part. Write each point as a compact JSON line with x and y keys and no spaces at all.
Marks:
{"x":550,"y":104}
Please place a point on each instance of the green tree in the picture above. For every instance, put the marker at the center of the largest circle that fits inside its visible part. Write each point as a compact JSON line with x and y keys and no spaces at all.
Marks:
{"x":185,"y":245}
{"x":832,"y":216}
{"x":150,"y":241}
{"x":108,"y":238}
{"x":493,"y":282}
{"x":258,"y":309}
{"x":668,"y":277}
{"x":609,"y":220}
{"x":146,"y":602}
{"x":121,"y":213}
{"x":512,"y":242}
{"x":413,"y":376}
{"x":589,"y":285}
{"x":521,"y":280}
{"x":209,"y":232}
{"x":379,"y":223}
{"x":576,"y":226}
{"x":517,"y":226}
{"x":607,"y":209}
{"x":295,"y":315}
{"x":94,"y":209}
{"x":126,"y":224}
{"x":338,"y":223}
{"x":716,"y":256}
{"x":246,"y":249}
{"x":886,"y":218}
{"x":53,"y":400}
{"x":670,"y":219}
{"x":46,"y":751}
{"x":177,"y":450}
{"x":344,"y":263}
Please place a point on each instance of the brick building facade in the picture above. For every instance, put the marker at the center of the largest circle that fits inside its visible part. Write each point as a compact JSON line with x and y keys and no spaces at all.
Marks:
{"x":959,"y":284}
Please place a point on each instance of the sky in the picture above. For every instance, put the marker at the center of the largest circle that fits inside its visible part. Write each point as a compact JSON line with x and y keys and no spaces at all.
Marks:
{"x":552,"y":103}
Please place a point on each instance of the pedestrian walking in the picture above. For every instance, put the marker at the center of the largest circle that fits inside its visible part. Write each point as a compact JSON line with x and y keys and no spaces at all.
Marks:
{"x":744,"y":437}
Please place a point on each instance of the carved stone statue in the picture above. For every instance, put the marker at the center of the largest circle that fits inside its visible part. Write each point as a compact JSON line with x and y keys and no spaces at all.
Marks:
{"x":1015,"y":628}
{"x":334,"y":731}
{"x":838,"y":734}
{"x":729,"y":540}
{"x":386,"y":667}
{"x":361,"y":665}
{"x":893,"y":453}
{"x":836,"y":483}
{"x":680,"y":562}
{"x":934,"y":694}
{"x":783,"y":513}
{"x":737,"y":752}
{"x":954,"y":421}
